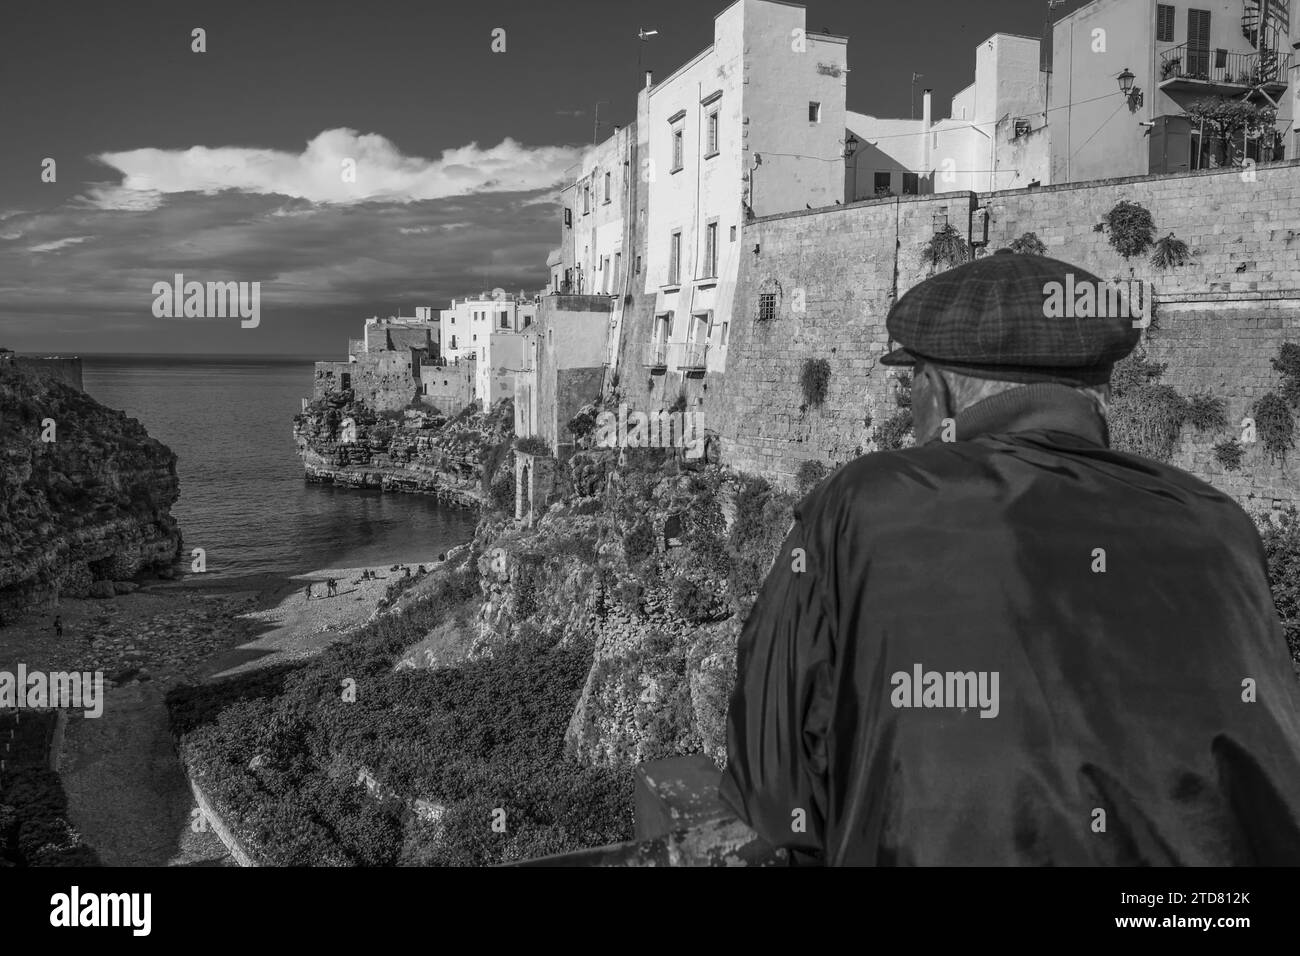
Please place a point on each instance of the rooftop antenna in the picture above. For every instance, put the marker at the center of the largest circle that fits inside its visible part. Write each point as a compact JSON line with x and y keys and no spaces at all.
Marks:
{"x":912,"y":101}
{"x":642,"y":34}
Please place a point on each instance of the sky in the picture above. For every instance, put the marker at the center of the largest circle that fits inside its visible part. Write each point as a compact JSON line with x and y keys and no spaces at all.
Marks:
{"x":225,"y":165}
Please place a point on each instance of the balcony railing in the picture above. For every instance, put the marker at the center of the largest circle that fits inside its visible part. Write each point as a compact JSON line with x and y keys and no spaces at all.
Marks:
{"x":655,"y":355}
{"x":692,"y":356}
{"x":1189,"y":68}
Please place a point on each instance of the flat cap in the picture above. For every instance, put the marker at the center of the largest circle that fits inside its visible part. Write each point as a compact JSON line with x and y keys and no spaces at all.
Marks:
{"x":1019,"y":318}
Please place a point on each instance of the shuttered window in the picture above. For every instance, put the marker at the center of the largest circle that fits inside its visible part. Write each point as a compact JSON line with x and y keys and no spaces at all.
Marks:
{"x":1198,"y":42}
{"x":1164,"y":23}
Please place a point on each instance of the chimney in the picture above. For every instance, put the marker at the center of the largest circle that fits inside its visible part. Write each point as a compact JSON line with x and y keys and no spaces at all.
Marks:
{"x":649,"y":78}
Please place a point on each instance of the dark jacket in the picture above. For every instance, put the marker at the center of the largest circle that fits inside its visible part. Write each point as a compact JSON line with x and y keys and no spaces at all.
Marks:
{"x":1124,"y":729}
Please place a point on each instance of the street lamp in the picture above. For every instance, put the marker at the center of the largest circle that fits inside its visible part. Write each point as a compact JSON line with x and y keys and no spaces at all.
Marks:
{"x":1131,"y":94}
{"x":850,"y":145}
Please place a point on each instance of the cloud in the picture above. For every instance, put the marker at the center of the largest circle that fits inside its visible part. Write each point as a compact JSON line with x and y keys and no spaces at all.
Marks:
{"x":424,"y":230}
{"x":317,"y":174}
{"x":57,"y":244}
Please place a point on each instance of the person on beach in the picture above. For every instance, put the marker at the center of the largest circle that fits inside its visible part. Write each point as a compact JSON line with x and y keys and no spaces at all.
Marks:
{"x":1012,"y":644}
{"x":307,"y":591}
{"x":58,"y":627}
{"x":332,"y":588}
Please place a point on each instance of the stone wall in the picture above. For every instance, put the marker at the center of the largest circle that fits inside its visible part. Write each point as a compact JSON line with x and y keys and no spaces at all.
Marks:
{"x":1220,"y":318}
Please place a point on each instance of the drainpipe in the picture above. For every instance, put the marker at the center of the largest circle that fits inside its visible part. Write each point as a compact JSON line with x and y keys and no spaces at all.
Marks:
{"x":925,"y":137}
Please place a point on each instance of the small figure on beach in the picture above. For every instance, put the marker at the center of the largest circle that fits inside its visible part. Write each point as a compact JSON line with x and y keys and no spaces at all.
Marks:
{"x":421,"y":570}
{"x":307,"y":591}
{"x":58,"y":627}
{"x":331,"y":588}
{"x":406,"y":572}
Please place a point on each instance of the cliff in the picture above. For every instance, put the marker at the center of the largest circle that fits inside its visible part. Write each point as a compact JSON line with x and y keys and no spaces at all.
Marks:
{"x":85,"y":493}
{"x":342,"y":442}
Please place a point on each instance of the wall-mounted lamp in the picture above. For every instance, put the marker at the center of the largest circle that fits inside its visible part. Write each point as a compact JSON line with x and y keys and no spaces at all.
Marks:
{"x":851,"y":145}
{"x":1132,"y":94}
{"x":756,"y":248}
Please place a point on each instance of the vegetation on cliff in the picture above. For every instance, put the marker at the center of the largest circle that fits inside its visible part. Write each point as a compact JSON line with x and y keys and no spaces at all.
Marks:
{"x":85,"y":493}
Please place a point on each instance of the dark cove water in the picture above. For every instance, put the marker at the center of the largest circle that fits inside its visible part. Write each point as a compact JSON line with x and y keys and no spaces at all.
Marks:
{"x":243,"y":498}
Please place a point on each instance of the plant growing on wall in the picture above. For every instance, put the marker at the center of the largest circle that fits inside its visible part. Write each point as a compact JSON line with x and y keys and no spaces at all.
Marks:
{"x":815,"y":379}
{"x":1028,"y":244}
{"x":1287,"y":364}
{"x":946,"y":248}
{"x":894,"y":431}
{"x":811,"y":473}
{"x":1206,"y":413}
{"x":1274,"y":424}
{"x":678,"y":405}
{"x":1170,"y":251}
{"x":1130,"y":228}
{"x":1229,"y":453}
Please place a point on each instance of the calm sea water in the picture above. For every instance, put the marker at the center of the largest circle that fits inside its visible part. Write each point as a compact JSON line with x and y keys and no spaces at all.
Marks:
{"x":243,"y":498}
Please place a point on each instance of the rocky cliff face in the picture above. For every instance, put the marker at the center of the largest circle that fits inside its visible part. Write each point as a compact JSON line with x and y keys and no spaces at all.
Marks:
{"x":91,"y":506}
{"x":416,"y":451}
{"x":658,"y":565}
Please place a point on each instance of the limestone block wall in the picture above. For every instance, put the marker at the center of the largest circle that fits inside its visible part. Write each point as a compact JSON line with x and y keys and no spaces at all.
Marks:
{"x":1220,"y":318}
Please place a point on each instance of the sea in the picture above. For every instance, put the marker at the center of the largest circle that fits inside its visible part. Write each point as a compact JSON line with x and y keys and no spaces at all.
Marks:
{"x":243,"y":498}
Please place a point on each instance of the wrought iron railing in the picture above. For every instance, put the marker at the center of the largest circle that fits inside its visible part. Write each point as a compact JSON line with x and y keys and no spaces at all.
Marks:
{"x":1224,"y":68}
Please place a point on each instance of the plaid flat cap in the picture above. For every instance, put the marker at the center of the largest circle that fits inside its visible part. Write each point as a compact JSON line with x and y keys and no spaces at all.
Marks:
{"x":1016,"y":318}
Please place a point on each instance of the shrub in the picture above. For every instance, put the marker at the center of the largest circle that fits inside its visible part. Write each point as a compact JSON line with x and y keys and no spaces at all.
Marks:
{"x":678,"y":405}
{"x":1274,"y":425}
{"x":814,"y":379}
{"x":582,"y":424}
{"x":811,"y":473}
{"x":1206,"y":413}
{"x":892,"y":433}
{"x":1229,"y":454}
{"x":1170,"y":251}
{"x":947,"y":247}
{"x":1287,"y":364}
{"x":1147,"y":420}
{"x":501,"y":493}
{"x":1028,"y":244}
{"x":639,"y":541}
{"x":1131,"y":228}
{"x":697,"y":600}
{"x":1282,"y":551}
{"x":533,"y":445}
{"x":1133,"y":372}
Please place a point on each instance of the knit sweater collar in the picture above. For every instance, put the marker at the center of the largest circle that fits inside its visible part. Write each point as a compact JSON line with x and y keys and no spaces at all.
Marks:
{"x":1042,"y":406}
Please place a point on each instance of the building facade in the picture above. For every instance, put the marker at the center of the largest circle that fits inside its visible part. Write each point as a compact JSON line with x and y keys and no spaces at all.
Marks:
{"x":1176,"y":54}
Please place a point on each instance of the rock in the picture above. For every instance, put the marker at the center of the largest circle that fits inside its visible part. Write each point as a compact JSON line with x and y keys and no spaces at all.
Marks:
{"x":102,"y":589}
{"x":125,"y":587}
{"x":94,"y":504}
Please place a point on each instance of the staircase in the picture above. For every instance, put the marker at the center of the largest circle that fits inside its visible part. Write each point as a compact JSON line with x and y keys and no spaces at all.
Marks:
{"x":1266,"y":32}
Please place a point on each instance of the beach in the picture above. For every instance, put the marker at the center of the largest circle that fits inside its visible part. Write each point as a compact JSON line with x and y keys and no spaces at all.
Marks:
{"x":127,"y":794}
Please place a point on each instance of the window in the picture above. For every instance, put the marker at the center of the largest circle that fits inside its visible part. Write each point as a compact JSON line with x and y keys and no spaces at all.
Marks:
{"x":766,"y":306}
{"x":618,"y":264}
{"x":675,"y":259}
{"x":814,"y":112}
{"x":473,"y":338}
{"x":568,"y":216}
{"x":1164,"y":23}
{"x":505,"y":321}
{"x":677,"y":149}
{"x":609,"y":189}
{"x":722,"y":338}
{"x":1198,"y":43}
{"x":911,"y":184}
{"x":733,"y":233}
{"x":638,"y":265}
{"x":528,"y":320}
{"x":711,"y":249}
{"x":453,"y":341}
{"x":882,"y":183}
{"x":586,"y":198}
{"x":711,"y":135}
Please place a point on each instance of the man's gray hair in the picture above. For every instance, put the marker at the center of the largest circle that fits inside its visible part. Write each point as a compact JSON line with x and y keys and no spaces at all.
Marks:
{"x":966,"y":390}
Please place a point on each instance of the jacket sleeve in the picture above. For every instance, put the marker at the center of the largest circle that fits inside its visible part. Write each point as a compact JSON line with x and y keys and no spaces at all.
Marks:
{"x":779,"y":714}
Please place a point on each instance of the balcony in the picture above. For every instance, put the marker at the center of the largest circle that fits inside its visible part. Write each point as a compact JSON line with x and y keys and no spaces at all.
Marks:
{"x":692,"y":356}
{"x":1217,"y":72}
{"x":655,"y":355}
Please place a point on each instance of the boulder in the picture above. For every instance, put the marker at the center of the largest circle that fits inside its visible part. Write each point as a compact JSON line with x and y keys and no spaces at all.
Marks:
{"x":102,"y":589}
